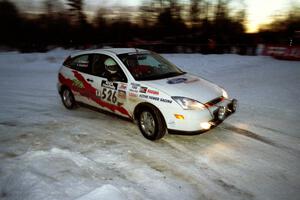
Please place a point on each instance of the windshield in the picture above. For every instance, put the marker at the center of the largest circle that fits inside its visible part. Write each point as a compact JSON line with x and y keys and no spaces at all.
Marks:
{"x":149,"y":66}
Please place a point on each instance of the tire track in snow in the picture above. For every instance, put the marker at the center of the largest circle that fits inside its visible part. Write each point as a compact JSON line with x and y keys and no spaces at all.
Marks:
{"x":247,"y":133}
{"x":259,"y":138}
{"x":9,"y":123}
{"x":199,"y":175}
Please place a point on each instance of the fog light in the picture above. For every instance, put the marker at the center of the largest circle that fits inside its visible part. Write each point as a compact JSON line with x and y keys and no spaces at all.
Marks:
{"x":178,"y":116}
{"x":234,"y":104}
{"x":205,"y":125}
{"x":221,"y":113}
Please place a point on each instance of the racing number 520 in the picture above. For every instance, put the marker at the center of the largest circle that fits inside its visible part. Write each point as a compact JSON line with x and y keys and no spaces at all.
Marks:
{"x":109,"y":95}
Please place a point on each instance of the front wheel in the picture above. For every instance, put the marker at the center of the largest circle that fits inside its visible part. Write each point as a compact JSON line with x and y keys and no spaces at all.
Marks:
{"x":152,"y":124}
{"x":68,"y":98}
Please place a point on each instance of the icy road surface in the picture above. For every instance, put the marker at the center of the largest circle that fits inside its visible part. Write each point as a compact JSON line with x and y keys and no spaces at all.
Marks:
{"x":49,"y":152}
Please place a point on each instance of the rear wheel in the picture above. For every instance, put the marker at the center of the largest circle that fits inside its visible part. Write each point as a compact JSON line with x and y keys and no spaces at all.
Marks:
{"x":67,"y":98}
{"x":151,"y":123}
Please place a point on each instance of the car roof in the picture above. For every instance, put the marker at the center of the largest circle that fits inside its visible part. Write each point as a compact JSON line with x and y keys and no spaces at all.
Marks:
{"x":109,"y":50}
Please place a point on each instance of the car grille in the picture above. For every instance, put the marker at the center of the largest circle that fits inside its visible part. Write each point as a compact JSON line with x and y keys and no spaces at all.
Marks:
{"x":214,"y":101}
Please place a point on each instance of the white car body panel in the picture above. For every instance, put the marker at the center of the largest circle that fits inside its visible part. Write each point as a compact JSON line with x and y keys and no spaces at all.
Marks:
{"x":193,"y":87}
{"x":155,"y":92}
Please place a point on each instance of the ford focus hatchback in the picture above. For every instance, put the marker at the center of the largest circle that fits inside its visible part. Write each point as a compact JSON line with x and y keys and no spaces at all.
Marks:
{"x":144,"y":87}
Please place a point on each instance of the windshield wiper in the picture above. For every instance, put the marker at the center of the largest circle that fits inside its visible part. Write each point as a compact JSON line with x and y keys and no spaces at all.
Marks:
{"x":172,"y":74}
{"x":162,"y":76}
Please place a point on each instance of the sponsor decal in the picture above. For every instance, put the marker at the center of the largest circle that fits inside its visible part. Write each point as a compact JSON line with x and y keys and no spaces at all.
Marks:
{"x":121,"y":94}
{"x":135,"y":86}
{"x":121,"y":97}
{"x":154,"y":98}
{"x":143,"y":90}
{"x":90,"y":92}
{"x":144,"y":96}
{"x":123,"y":86}
{"x":77,"y":83}
{"x":109,"y":85}
{"x":132,"y":94}
{"x":176,"y":80}
{"x":165,"y":100}
{"x":135,"y":91}
{"x":153,"y":92}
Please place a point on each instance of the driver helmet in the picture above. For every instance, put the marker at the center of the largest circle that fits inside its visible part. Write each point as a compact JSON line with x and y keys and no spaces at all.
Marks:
{"x":111,"y":66}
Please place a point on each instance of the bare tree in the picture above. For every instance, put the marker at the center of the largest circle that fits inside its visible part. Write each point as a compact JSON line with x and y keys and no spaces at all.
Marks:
{"x":10,"y":20}
{"x":195,"y":11}
{"x":76,"y":9}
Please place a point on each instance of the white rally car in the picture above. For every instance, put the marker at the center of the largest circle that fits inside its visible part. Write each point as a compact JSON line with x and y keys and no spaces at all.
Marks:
{"x":143,"y":86}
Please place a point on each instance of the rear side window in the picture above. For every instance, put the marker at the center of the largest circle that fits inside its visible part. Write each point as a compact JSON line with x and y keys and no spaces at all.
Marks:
{"x":80,"y":63}
{"x":67,"y":61}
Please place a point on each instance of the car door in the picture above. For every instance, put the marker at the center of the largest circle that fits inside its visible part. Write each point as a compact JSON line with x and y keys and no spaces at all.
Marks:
{"x":81,"y":70}
{"x":111,"y":90}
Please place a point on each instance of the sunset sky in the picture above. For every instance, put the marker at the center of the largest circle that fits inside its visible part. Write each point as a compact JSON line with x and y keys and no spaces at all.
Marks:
{"x":262,"y":11}
{"x":258,"y":11}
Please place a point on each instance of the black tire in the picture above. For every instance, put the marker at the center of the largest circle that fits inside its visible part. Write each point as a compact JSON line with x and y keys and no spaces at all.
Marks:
{"x":158,"y":130}
{"x":67,"y":98}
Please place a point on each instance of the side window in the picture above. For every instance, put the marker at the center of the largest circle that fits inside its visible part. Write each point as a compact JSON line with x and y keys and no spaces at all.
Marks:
{"x":81,"y":63}
{"x":148,"y":60}
{"x":106,"y":67}
{"x":97,"y":63}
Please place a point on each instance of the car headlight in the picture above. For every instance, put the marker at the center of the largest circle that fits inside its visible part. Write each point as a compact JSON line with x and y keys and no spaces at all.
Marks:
{"x":188,"y":104}
{"x":224,"y":94}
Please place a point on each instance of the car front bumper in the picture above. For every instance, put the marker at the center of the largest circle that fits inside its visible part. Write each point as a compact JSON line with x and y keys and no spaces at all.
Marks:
{"x":223,"y":111}
{"x":204,"y":120}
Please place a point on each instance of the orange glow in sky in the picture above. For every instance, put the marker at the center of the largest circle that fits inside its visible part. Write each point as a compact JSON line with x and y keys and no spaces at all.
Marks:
{"x":261,"y":12}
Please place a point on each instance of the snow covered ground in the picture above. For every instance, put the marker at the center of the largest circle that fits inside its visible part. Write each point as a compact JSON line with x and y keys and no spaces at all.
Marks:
{"x":49,"y":152}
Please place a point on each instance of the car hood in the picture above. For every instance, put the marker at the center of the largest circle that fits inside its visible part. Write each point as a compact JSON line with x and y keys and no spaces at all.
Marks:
{"x":187,"y":85}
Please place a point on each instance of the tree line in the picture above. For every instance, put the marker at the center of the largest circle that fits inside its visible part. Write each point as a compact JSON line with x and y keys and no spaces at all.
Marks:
{"x":163,"y":25}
